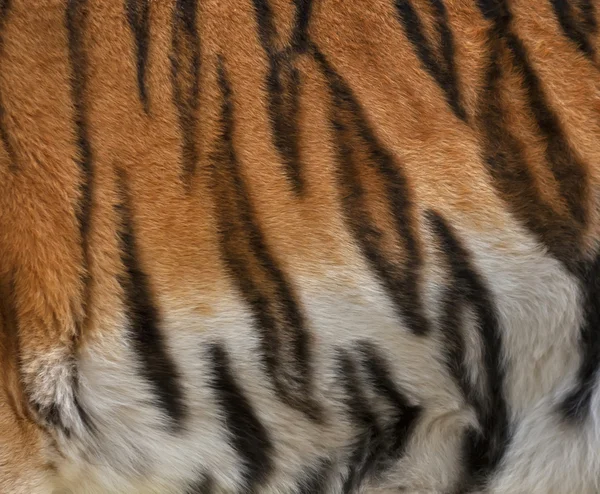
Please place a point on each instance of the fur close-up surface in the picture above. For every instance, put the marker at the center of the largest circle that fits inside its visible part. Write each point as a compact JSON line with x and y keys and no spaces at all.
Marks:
{"x":299,"y":247}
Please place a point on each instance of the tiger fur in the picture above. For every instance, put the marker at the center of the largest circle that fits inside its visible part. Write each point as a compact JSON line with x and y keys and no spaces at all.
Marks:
{"x":299,"y":246}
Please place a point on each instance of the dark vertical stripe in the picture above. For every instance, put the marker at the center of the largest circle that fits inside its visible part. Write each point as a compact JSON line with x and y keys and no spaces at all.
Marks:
{"x":300,"y":38}
{"x":249,"y":436}
{"x":451,"y":324}
{"x":283,"y":86}
{"x":369,"y":437}
{"x":266,"y":26}
{"x":406,"y":415}
{"x":284,"y":336}
{"x":75,"y":20}
{"x":484,"y":449}
{"x":575,"y":31}
{"x":4,"y":136}
{"x":440,"y":66}
{"x":156,"y":365}
{"x":352,"y":131}
{"x":505,"y":158}
{"x":138,"y":15}
{"x":577,"y":405}
{"x":564,"y":163}
{"x":185,"y":69}
{"x":588,"y":14}
{"x":382,"y":437}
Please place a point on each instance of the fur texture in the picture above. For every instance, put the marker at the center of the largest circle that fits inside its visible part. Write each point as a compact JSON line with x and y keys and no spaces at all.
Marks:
{"x":299,"y":247}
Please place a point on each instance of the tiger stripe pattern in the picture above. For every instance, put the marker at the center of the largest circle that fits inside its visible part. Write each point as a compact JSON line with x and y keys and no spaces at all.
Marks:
{"x":299,"y":246}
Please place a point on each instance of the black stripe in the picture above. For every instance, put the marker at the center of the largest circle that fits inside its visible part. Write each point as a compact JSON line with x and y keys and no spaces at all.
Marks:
{"x":138,"y":15}
{"x":588,"y":14}
{"x":316,"y":479}
{"x":76,"y":16}
{"x":381,"y":378}
{"x":451,"y":322}
{"x":382,"y":439}
{"x":577,"y":405}
{"x":4,"y":136}
{"x":285,"y":339}
{"x":484,"y":450}
{"x":266,"y":26}
{"x":249,"y":436}
{"x":441,"y":67}
{"x":283,"y":85}
{"x":185,"y":72}
{"x":351,"y":131}
{"x":571,"y":28}
{"x":368,"y":442}
{"x":75,"y":20}
{"x":564,"y":163}
{"x":147,"y":341}
{"x":300,"y":38}
{"x":505,"y":159}
{"x":205,"y":485}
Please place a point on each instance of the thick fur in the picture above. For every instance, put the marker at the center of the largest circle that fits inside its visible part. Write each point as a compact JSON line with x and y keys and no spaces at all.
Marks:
{"x":304,"y":247}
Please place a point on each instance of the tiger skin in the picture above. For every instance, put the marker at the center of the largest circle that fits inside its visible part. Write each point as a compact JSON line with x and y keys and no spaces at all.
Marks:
{"x":299,"y":246}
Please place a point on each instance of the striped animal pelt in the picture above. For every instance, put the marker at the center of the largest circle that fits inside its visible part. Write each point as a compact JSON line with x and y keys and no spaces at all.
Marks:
{"x":299,"y":247}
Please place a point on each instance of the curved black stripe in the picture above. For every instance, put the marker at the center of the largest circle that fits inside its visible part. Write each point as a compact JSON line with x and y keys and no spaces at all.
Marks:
{"x":277,"y":315}
{"x":185,"y":74}
{"x":381,"y":378}
{"x":572,"y":29}
{"x":249,"y":436}
{"x":382,"y":437}
{"x":577,"y":404}
{"x":483,"y":450}
{"x":283,"y":85}
{"x":451,"y":323}
{"x":505,"y":158}
{"x":156,"y":365}
{"x":4,"y":136}
{"x":138,"y":15}
{"x":440,"y":66}
{"x":352,"y":131}
{"x":564,"y":163}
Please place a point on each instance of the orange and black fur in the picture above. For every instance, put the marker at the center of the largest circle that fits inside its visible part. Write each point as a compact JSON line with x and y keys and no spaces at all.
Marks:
{"x":299,"y":246}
